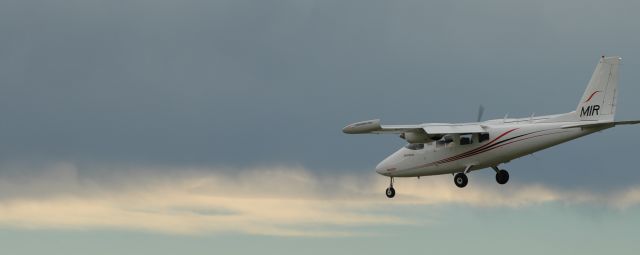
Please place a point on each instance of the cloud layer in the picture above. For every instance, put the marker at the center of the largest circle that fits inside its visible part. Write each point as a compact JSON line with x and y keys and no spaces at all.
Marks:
{"x":284,"y":201}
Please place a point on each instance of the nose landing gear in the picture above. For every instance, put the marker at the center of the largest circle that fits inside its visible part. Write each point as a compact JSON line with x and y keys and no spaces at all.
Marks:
{"x":390,"y":192}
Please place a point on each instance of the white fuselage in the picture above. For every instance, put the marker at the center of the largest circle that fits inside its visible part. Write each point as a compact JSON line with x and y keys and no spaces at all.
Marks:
{"x":508,"y":139}
{"x":458,"y":148}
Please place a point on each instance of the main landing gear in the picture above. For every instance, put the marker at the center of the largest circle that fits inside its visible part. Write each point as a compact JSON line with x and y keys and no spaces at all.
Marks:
{"x":390,"y":192}
{"x":502,"y":176}
{"x":461,"y":180}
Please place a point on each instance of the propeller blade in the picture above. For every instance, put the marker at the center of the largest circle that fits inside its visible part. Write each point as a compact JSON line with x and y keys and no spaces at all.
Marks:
{"x":480,"y":113}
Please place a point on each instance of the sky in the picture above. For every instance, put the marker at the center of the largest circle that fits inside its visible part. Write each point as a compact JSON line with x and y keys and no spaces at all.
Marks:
{"x":200,"y":127}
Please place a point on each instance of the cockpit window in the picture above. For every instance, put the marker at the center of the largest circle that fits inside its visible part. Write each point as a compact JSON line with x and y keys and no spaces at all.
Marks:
{"x":415,"y":146}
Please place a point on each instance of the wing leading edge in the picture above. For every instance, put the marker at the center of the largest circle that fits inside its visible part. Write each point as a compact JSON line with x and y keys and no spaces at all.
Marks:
{"x":374,"y":127}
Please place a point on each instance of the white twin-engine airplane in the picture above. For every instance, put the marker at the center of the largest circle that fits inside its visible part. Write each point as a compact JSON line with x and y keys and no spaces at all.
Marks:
{"x":442,"y":148}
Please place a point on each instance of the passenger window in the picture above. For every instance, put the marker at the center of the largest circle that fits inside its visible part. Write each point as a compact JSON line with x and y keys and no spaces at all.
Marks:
{"x":444,"y":141}
{"x":415,"y":146}
{"x":466,"y":139}
{"x":484,"y":137}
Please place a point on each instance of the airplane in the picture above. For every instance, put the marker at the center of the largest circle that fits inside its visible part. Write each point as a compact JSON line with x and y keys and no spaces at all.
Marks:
{"x":459,"y":148}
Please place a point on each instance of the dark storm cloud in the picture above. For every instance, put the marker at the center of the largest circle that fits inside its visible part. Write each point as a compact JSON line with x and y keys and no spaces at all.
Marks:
{"x":252,"y":82}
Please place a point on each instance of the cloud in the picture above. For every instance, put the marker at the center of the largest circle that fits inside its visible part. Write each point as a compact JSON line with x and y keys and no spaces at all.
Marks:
{"x":282,"y":201}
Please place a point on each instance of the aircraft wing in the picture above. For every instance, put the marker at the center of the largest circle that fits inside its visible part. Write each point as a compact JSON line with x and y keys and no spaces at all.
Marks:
{"x":452,"y":129}
{"x":374,"y":127}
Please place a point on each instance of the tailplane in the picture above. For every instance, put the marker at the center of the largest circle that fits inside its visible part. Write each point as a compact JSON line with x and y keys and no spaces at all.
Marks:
{"x":599,"y":100}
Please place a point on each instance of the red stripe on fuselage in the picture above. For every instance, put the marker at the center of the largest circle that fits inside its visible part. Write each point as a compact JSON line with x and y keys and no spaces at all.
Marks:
{"x":559,"y":132}
{"x":492,"y":148}
{"x":485,"y":148}
{"x":463,"y":155}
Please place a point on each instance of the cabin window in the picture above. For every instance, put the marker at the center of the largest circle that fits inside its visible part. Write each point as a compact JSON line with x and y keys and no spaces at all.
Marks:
{"x":484,"y":137}
{"x":444,"y":141}
{"x":466,"y":139}
{"x":415,"y":146}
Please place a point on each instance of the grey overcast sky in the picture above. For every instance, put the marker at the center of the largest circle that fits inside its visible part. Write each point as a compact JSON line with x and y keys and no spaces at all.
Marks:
{"x":100,"y":95}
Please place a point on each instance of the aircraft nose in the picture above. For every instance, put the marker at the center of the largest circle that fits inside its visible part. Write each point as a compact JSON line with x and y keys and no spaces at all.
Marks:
{"x":379,"y":167}
{"x":384,"y":167}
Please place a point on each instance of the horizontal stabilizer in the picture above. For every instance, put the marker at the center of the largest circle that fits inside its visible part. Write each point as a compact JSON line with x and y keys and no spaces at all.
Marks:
{"x":607,"y":123}
{"x":627,"y":122}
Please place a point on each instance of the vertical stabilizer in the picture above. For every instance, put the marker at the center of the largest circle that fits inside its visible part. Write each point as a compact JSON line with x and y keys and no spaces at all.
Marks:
{"x":599,"y":100}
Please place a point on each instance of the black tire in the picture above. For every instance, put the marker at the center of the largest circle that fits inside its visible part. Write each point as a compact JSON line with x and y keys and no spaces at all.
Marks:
{"x":502,"y":176}
{"x":461,"y":180}
{"x":390,"y":192}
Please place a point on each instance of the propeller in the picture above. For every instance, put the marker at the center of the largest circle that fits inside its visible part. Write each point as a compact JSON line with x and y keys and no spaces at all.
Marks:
{"x":480,"y":112}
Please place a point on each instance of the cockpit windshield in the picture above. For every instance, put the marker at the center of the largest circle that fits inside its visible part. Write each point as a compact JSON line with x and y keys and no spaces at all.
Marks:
{"x":415,"y":146}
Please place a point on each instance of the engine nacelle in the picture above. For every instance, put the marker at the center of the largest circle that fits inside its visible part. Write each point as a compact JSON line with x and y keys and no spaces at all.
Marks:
{"x":412,"y":137}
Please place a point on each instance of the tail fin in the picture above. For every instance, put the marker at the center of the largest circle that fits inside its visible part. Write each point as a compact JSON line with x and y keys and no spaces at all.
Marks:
{"x":599,"y":100}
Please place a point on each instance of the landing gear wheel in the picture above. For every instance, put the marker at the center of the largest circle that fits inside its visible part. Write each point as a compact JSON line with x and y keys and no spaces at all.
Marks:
{"x":391,"y":192}
{"x":461,"y":180}
{"x":502,"y":176}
